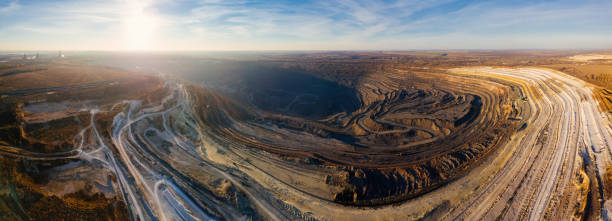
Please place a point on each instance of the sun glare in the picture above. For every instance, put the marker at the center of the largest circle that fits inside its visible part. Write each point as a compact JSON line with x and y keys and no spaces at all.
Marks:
{"x":139,"y":32}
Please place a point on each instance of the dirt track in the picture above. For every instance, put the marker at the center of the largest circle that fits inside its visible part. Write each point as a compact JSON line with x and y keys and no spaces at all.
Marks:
{"x":480,"y":143}
{"x":535,"y":175}
{"x":539,"y":179}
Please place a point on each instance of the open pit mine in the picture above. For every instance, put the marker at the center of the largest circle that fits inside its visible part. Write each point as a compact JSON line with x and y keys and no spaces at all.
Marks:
{"x":316,"y":136}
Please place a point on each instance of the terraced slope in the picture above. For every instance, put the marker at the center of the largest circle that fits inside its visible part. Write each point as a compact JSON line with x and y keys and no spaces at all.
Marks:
{"x":404,"y":138}
{"x":442,"y":144}
{"x":560,"y":163}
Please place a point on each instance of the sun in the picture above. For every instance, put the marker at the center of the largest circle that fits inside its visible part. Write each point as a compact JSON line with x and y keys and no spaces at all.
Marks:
{"x":139,"y":30}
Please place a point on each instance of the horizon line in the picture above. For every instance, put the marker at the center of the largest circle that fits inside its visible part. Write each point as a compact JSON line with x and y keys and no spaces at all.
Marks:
{"x":315,"y":50}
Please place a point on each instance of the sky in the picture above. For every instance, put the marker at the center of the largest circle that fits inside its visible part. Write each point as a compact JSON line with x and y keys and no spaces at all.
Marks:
{"x":213,"y":25}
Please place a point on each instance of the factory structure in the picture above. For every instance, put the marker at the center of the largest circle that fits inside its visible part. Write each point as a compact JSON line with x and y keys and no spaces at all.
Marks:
{"x":25,"y":57}
{"x":37,"y":56}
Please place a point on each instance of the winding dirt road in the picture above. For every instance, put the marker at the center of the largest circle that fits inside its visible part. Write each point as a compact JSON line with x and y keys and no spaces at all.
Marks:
{"x":170,"y":165}
{"x":537,"y":174}
{"x":553,"y":168}
{"x":565,"y":129}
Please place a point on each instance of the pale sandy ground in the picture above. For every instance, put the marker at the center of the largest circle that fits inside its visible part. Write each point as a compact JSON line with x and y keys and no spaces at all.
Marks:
{"x":589,"y":57}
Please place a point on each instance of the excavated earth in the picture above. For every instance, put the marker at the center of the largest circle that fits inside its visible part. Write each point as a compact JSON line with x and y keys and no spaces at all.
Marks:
{"x":331,"y":136}
{"x":388,"y":137}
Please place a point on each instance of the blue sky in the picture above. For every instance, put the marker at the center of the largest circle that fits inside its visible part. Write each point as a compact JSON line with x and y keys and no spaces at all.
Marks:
{"x":303,"y":25}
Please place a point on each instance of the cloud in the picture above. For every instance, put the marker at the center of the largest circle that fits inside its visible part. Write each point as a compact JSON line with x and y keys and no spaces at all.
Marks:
{"x":312,"y":20}
{"x":317,"y":24}
{"x":12,"y":6}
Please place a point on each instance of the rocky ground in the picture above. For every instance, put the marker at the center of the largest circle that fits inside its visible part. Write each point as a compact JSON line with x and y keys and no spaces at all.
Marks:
{"x":317,"y":136}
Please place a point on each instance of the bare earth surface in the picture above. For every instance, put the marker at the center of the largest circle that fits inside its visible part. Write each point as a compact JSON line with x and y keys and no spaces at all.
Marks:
{"x":317,"y":136}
